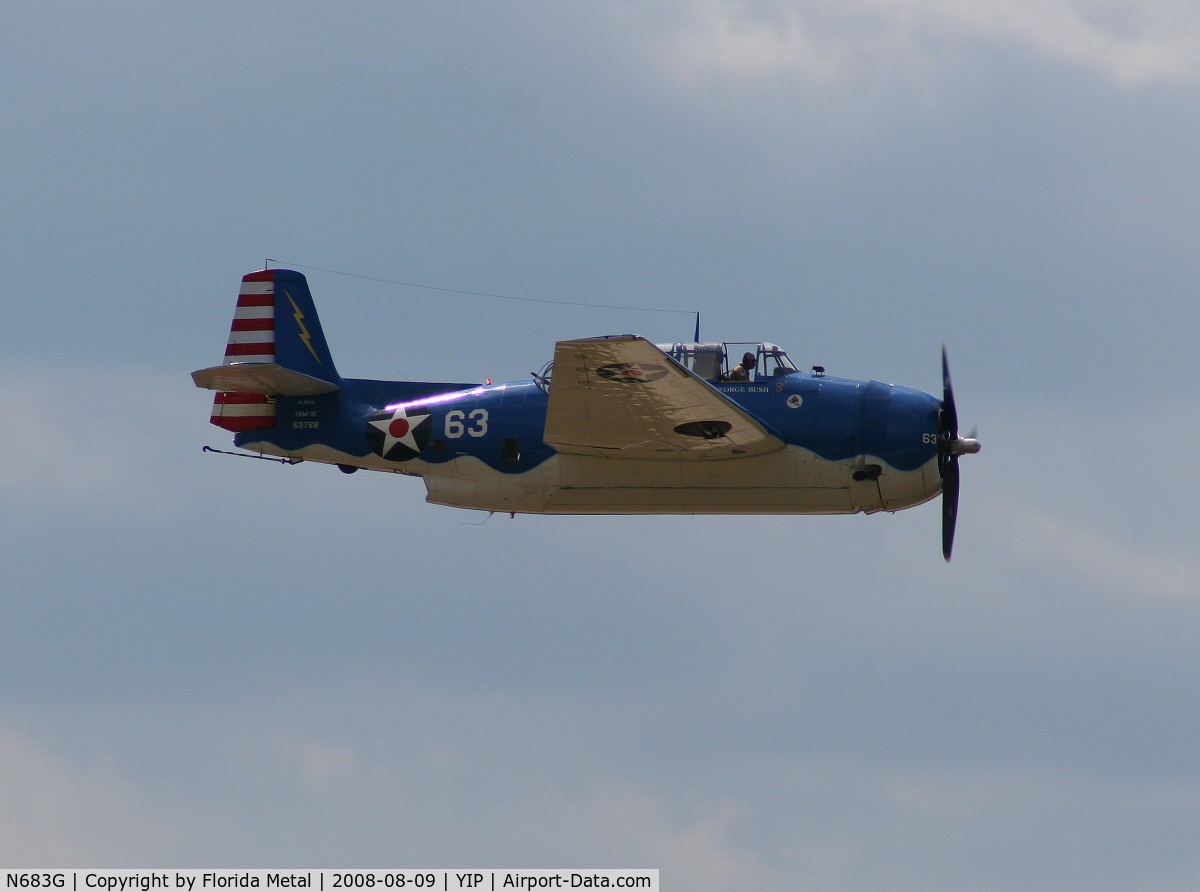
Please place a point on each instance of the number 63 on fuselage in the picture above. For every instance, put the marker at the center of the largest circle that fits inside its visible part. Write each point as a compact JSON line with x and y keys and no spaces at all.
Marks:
{"x":613,"y":425}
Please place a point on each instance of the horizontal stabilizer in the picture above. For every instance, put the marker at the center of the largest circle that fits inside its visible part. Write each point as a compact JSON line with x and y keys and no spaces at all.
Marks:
{"x":266,"y":378}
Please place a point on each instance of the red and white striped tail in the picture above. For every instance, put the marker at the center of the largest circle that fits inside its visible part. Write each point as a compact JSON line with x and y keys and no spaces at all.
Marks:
{"x":243,"y":411}
{"x":252,"y":335}
{"x":251,"y":339}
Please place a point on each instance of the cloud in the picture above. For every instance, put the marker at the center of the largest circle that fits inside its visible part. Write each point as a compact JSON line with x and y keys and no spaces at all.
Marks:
{"x":1100,"y":558}
{"x":473,"y":784}
{"x":1131,"y":44}
{"x":461,"y":781}
{"x":697,"y":851}
{"x":835,"y":825}
{"x":56,"y":811}
{"x":81,"y":436}
{"x":1074,"y":493}
{"x":835,"y":42}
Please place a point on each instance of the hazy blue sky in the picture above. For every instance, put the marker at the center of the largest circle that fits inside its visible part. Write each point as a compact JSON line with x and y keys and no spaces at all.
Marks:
{"x":214,"y":662}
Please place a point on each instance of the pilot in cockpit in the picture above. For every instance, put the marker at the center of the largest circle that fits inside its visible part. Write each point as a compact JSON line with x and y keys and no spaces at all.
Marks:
{"x":741,"y":372}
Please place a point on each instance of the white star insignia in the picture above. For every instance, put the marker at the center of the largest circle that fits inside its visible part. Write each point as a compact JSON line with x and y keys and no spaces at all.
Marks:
{"x":398,"y":428}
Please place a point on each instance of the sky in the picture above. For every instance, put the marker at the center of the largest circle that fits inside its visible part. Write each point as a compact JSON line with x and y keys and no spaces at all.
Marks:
{"x":223,"y":663}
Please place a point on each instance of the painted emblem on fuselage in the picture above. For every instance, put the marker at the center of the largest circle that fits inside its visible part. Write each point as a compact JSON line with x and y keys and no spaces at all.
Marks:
{"x":795,"y":401}
{"x":395,"y":434}
{"x":632,"y":372}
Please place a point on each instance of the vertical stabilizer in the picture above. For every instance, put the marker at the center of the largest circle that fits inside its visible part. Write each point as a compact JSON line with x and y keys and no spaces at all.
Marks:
{"x":299,"y":342}
{"x":252,"y":334}
{"x":275,"y":347}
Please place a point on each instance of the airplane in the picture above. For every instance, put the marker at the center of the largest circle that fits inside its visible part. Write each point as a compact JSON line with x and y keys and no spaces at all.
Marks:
{"x":612,"y":425}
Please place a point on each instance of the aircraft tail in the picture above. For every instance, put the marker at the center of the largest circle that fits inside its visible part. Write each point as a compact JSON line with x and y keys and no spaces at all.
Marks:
{"x":276,"y":348}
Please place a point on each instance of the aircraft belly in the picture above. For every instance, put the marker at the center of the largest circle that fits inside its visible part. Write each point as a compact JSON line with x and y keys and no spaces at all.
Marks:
{"x":865,"y":495}
{"x":700,"y":500}
{"x":791,"y":481}
{"x":467,"y":482}
{"x":776,"y":470}
{"x":903,"y":490}
{"x":319,"y":452}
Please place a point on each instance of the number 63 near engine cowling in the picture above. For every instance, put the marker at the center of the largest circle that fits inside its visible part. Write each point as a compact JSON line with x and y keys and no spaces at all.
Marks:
{"x":613,"y":425}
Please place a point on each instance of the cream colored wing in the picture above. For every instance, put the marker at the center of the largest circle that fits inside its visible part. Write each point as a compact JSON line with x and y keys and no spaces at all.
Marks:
{"x":623,"y":397}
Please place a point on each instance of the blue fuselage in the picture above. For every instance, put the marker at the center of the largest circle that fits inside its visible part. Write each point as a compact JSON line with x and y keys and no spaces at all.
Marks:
{"x":850,"y":446}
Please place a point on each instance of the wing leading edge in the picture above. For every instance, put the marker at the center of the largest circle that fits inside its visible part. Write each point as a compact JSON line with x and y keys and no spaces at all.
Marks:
{"x":623,"y":397}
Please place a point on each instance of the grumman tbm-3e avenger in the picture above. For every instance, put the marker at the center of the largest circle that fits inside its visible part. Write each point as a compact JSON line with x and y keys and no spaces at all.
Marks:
{"x":613,"y":425}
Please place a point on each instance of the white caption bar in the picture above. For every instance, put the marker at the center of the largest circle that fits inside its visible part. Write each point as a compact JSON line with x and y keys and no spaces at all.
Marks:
{"x":325,"y":880}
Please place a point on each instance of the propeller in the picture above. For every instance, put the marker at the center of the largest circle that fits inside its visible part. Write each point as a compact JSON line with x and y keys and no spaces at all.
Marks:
{"x":950,"y":447}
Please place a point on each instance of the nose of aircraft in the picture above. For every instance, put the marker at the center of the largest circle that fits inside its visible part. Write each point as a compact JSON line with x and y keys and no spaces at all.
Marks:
{"x":912,"y":447}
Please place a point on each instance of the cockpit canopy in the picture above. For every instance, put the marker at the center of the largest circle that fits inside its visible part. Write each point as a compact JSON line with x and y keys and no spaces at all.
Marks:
{"x":713,"y":362}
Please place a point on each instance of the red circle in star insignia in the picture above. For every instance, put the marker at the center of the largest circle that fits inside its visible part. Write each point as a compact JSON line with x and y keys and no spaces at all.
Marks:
{"x":398,"y":428}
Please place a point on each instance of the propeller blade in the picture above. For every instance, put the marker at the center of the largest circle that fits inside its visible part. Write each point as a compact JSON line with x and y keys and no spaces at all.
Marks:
{"x":949,"y":504}
{"x":948,"y":420}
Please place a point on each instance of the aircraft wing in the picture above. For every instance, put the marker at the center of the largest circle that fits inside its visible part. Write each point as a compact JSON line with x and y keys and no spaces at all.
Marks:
{"x":623,"y":397}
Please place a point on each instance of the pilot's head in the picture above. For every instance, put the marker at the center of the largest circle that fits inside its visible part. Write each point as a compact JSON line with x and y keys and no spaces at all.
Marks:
{"x":748,"y":361}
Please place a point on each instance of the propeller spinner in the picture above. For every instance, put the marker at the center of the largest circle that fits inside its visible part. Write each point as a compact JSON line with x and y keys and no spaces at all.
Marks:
{"x":950,"y":447}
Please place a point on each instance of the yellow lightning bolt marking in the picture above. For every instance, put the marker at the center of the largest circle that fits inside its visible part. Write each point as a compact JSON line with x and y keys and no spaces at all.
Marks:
{"x":304,"y":335}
